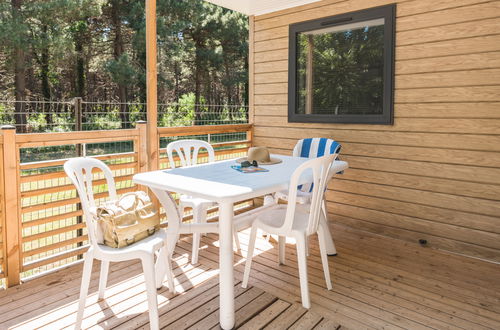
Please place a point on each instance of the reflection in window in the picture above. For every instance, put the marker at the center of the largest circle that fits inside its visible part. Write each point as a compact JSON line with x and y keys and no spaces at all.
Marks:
{"x":340,"y":69}
{"x":343,"y":68}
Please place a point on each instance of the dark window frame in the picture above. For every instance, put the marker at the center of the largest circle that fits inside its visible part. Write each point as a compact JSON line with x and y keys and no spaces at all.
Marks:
{"x":389,"y":14}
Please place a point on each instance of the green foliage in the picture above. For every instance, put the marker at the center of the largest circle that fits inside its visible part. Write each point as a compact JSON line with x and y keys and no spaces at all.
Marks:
{"x":96,"y":49}
{"x":110,"y":120}
{"x":37,"y":122}
{"x":6,"y":115}
{"x":121,"y":70}
{"x":63,"y":122}
{"x":180,"y":114}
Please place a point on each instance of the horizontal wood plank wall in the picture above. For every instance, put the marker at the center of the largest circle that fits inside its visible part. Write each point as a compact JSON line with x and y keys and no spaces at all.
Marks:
{"x":434,"y":174}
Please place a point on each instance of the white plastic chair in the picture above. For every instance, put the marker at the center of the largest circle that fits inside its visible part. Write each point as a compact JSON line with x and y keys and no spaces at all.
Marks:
{"x":297,"y":221}
{"x":188,"y":151}
{"x":312,"y":148}
{"x":79,"y":171}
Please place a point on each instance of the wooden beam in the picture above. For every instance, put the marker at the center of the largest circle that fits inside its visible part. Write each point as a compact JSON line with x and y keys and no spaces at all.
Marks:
{"x":11,"y":202}
{"x":201,"y":130}
{"x":151,"y":86}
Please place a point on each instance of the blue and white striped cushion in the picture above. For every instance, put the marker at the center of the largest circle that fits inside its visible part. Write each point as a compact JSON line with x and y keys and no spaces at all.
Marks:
{"x":316,"y":147}
{"x":312,"y":148}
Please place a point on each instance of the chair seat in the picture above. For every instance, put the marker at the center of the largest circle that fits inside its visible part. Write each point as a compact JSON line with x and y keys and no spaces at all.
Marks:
{"x":273,"y":218}
{"x":302,"y":196}
{"x":149,"y":244}
{"x":190,"y":201}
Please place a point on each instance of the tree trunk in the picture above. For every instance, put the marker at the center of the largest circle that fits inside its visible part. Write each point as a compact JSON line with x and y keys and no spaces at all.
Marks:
{"x":118,"y":51}
{"x":19,"y":74}
{"x":197,"y":92}
{"x":79,"y":39}
{"x":197,"y":82}
{"x":44,"y":67}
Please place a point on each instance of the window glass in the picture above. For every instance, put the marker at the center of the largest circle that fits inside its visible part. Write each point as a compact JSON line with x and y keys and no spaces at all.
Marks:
{"x":343,"y":68}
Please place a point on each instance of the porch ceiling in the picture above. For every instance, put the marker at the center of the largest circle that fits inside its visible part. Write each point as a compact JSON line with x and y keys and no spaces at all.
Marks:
{"x":259,"y":7}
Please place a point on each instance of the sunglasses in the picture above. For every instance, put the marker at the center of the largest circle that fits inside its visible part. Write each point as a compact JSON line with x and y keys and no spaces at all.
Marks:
{"x":246,"y":163}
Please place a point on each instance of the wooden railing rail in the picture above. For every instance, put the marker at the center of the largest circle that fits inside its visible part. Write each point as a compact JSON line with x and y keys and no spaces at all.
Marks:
{"x":43,"y":227}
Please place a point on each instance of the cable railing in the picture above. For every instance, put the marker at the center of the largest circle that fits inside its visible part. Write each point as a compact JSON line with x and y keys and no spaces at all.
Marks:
{"x":35,"y":116}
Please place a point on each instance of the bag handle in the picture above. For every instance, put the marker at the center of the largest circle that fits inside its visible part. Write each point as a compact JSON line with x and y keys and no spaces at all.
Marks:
{"x":136,"y":200}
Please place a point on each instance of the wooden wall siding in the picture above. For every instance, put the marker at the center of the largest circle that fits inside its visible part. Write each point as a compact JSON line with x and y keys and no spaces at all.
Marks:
{"x":435,"y":173}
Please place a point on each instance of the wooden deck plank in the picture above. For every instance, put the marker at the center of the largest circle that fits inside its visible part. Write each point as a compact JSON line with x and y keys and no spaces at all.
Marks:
{"x":198,"y":310}
{"x":391,"y":294}
{"x":328,"y":305}
{"x":461,"y":292}
{"x":266,"y":316}
{"x":326,"y":324}
{"x":423,"y":261}
{"x":287,"y":318}
{"x":128,"y":304}
{"x":212,"y":320}
{"x":253,"y":308}
{"x":377,"y":310}
{"x":308,"y":321}
{"x":276,"y":287}
{"x":373,"y":288}
{"x":170,"y":313}
{"x":454,"y":315}
{"x":129,"y":279}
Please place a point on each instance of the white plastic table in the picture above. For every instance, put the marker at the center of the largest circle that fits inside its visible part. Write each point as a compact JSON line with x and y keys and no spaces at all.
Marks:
{"x":220,"y":183}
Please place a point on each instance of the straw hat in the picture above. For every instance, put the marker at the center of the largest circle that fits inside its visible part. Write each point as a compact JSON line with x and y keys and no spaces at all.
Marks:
{"x":261,"y":155}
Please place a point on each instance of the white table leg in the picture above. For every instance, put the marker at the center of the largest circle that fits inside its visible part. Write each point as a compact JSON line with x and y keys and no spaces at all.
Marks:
{"x":226,"y":277}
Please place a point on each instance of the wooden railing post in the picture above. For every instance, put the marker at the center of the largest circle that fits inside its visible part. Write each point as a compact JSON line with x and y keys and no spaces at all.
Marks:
{"x":151,"y":87}
{"x":142,"y":146}
{"x":143,"y":159}
{"x":250,"y":136}
{"x":11,"y":202}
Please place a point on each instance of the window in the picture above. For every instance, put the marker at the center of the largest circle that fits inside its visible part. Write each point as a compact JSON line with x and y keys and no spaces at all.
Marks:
{"x":341,"y":68}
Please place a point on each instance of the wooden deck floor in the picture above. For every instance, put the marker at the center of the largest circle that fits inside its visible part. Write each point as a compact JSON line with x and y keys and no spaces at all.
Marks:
{"x":378,"y":283}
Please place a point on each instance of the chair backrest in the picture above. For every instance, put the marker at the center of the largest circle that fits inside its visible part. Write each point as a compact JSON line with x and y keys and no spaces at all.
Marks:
{"x":188,"y":150}
{"x":316,"y":147}
{"x":320,"y":168}
{"x":313,"y":148}
{"x":79,"y":170}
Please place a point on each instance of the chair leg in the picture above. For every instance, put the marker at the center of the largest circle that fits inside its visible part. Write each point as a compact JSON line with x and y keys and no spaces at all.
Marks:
{"x":161,"y":267}
{"x":302,"y":261}
{"x":236,"y":241}
{"x":248,"y":264}
{"x":149,"y":277}
{"x":199,"y":216}
{"x":84,"y":288}
{"x":281,"y":250}
{"x":324,"y":257}
{"x":170,"y":275}
{"x":103,"y":278}
{"x":330,"y":245}
{"x":307,"y":246}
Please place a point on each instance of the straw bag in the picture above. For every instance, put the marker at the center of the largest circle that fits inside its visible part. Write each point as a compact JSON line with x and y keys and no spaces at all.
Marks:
{"x":127,"y":220}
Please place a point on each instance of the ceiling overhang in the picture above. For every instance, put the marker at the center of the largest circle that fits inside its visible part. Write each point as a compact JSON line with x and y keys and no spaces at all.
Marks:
{"x":259,"y":7}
